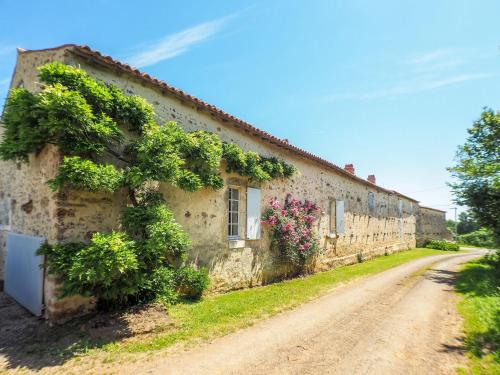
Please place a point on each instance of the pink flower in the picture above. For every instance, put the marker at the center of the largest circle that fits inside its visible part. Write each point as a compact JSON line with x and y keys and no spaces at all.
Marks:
{"x":275,"y":204}
{"x":309,"y":219}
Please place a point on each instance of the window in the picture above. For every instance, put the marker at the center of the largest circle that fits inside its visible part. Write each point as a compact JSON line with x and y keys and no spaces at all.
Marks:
{"x":233,"y":213}
{"x":253,"y":213}
{"x":337,"y":216}
{"x":5,"y":211}
{"x":371,"y":202}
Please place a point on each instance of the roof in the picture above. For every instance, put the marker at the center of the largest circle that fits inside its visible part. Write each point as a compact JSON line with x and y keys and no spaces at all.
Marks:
{"x":96,"y":57}
{"x":430,"y":208}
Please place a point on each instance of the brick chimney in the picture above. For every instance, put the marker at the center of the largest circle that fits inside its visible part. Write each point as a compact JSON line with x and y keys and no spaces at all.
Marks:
{"x":349,"y":168}
{"x":371,"y":178}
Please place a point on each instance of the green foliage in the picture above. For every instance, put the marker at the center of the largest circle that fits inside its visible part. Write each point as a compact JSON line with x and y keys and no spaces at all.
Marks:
{"x":156,"y":232}
{"x":466,"y":223}
{"x":481,"y":238}
{"x":451,"y":225}
{"x":478,"y":171}
{"x":22,"y":134}
{"x":83,"y":174}
{"x":191,"y":283}
{"x":161,"y":285}
{"x":131,"y":111}
{"x":60,"y":257}
{"x":168,"y":154}
{"x":479,"y":284}
{"x":106,"y":268}
{"x":442,"y":245}
{"x":255,"y":167}
{"x":57,"y":116}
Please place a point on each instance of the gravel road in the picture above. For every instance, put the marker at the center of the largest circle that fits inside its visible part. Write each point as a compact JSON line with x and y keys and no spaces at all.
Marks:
{"x":401,"y":321}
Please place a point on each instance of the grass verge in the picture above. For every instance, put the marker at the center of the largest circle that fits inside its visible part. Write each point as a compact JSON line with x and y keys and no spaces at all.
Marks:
{"x":221,"y":314}
{"x":479,"y":285}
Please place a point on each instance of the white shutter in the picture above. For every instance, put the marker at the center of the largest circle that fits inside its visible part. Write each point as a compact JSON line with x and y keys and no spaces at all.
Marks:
{"x":253,"y":213}
{"x":339,"y":211}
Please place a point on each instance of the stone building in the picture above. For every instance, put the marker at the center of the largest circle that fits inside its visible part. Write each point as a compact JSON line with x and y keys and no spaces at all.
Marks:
{"x":431,"y":225}
{"x":357,"y":215}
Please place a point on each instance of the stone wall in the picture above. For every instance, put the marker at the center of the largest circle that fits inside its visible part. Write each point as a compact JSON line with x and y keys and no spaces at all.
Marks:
{"x":388,"y":226}
{"x":431,"y":225}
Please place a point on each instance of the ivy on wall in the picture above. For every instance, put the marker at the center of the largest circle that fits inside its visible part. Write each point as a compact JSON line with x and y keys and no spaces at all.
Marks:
{"x":85,"y":119}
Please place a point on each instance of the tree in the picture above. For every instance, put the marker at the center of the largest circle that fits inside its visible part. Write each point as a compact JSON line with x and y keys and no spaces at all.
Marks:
{"x":477,"y":172}
{"x":466,"y":223}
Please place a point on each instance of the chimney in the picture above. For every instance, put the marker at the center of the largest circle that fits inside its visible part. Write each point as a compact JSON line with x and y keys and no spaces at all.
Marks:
{"x":349,"y":168}
{"x":371,"y":178}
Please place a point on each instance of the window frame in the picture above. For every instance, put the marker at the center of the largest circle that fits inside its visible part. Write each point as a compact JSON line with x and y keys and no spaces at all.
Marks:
{"x":230,"y":224}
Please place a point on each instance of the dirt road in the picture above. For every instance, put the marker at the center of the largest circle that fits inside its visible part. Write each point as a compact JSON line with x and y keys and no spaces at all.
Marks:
{"x":402,"y":321}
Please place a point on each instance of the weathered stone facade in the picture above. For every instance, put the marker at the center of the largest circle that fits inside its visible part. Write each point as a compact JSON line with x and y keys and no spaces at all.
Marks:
{"x":431,"y":225}
{"x":388,"y":224}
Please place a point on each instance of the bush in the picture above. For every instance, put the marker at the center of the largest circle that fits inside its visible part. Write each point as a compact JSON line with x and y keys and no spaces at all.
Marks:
{"x":481,"y":238}
{"x":191,"y":283}
{"x":60,"y":257}
{"x":107,"y":268}
{"x":291,"y":226}
{"x":161,"y":285}
{"x":160,"y":237}
{"x":442,"y":245}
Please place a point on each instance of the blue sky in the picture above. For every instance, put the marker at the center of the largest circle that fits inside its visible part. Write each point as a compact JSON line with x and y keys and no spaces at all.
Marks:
{"x":390,"y":86}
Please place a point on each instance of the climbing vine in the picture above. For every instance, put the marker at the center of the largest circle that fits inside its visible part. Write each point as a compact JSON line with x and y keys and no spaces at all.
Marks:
{"x":86,"y":120}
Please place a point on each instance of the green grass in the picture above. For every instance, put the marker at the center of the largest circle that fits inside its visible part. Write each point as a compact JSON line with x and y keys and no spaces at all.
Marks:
{"x":221,"y":314}
{"x":479,"y":285}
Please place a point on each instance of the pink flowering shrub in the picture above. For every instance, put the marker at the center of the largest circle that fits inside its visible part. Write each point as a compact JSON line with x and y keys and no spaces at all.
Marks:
{"x":291,"y":229}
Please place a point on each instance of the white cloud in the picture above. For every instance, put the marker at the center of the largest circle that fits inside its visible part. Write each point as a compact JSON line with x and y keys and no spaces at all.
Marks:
{"x":435,"y":61}
{"x":410,"y":87}
{"x":430,"y":57}
{"x":176,"y":44}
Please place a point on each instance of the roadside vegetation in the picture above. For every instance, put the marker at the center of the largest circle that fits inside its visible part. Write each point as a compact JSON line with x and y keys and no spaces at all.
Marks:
{"x":113,"y":336}
{"x":442,"y":245}
{"x":219,"y":315}
{"x":479,"y":285}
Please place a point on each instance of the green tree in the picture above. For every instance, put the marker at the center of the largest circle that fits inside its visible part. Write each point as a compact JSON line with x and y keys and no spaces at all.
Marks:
{"x":466,"y":223}
{"x":477,"y":172}
{"x":451,"y":225}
